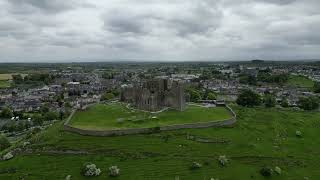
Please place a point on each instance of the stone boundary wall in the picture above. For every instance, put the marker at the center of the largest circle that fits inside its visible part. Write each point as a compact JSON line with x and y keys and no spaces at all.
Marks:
{"x":222,"y":123}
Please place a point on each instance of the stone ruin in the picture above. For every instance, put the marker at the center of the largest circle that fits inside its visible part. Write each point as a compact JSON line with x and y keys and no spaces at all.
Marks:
{"x":154,"y":95}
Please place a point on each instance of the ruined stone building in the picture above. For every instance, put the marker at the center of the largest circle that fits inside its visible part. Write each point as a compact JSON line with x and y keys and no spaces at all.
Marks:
{"x":154,"y":95}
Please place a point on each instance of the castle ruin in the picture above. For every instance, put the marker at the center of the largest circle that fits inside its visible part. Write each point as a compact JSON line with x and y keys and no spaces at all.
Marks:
{"x":156,"y":94}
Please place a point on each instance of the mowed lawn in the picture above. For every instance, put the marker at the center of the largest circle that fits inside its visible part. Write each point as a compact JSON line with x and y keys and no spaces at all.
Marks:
{"x":117,"y":116}
{"x":261,"y":137}
{"x":300,"y":81}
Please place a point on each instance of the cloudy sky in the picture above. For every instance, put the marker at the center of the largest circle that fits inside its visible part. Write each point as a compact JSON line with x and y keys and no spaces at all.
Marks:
{"x":91,"y":30}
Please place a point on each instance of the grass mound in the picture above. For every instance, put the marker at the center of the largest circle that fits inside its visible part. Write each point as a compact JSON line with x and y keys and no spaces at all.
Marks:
{"x":117,"y":116}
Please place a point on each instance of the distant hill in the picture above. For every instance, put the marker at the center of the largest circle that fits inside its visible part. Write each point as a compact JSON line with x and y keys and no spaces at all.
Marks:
{"x":257,"y":61}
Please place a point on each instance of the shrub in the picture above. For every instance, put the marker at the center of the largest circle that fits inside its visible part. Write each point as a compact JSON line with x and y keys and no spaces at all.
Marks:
{"x":269,"y":100}
{"x":266,"y":171}
{"x":89,"y":169}
{"x":298,"y":133}
{"x":49,"y":116}
{"x":107,"y":96}
{"x":277,"y":170}
{"x":114,"y":171}
{"x":284,"y":102}
{"x":308,"y":103}
{"x":26,"y":144}
{"x":7,"y":156}
{"x":195,"y":165}
{"x":156,"y":129}
{"x":68,"y":177}
{"x":6,"y":112}
{"x":4,"y":143}
{"x":223,"y":160}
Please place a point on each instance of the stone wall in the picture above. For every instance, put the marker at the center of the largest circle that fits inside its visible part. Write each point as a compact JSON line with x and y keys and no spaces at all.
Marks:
{"x":222,"y":123}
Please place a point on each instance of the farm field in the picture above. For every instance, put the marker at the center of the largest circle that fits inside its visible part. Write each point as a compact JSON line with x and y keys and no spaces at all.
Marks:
{"x":5,"y":77}
{"x":300,"y":81}
{"x":4,"y":84}
{"x":117,"y":116}
{"x":261,"y":137}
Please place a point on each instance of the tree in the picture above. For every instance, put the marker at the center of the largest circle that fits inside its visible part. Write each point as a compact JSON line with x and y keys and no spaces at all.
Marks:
{"x":308,"y":103}
{"x":37,"y":119}
{"x":17,"y":78}
{"x":4,"y":143}
{"x":248,"y":79}
{"x":249,"y":98}
{"x":211,"y":96}
{"x":269,"y":100}
{"x":49,"y":116}
{"x":44,"y":108}
{"x":107,"y":96}
{"x":194,"y":95}
{"x":6,"y":112}
{"x":316,"y":87}
{"x":284,"y":102}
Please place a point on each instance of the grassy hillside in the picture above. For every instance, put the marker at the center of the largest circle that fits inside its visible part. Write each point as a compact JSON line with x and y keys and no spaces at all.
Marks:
{"x":117,"y":116}
{"x":261,"y":137}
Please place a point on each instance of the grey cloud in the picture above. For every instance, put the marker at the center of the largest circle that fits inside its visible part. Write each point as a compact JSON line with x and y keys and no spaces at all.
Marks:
{"x":166,"y":29}
{"x":16,"y":29}
{"x":280,"y":2}
{"x":195,"y":19}
{"x":46,"y":6}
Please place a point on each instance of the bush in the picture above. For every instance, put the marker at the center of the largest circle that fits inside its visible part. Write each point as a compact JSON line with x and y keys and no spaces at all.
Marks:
{"x":114,"y":171}
{"x":156,"y":129}
{"x":89,"y":169}
{"x":6,"y":112}
{"x":37,"y":119}
{"x":223,"y":160}
{"x":107,"y":96}
{"x":298,"y":133}
{"x":195,"y":165}
{"x":277,"y":170}
{"x":49,"y":116}
{"x":211,"y":96}
{"x":7,"y":156}
{"x":308,"y":103}
{"x":266,"y":171}
{"x":4,"y":143}
{"x":269,"y":100}
{"x":284,"y":102}
{"x":316,"y":87}
{"x":25,"y":144}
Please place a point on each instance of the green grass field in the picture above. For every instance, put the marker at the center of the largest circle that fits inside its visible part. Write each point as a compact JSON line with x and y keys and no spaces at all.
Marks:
{"x":261,"y":137}
{"x":300,"y":81}
{"x":4,"y":84}
{"x":117,"y":116}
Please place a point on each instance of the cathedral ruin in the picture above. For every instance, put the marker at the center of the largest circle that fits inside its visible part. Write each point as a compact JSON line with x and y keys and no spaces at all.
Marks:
{"x":156,"y":94}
